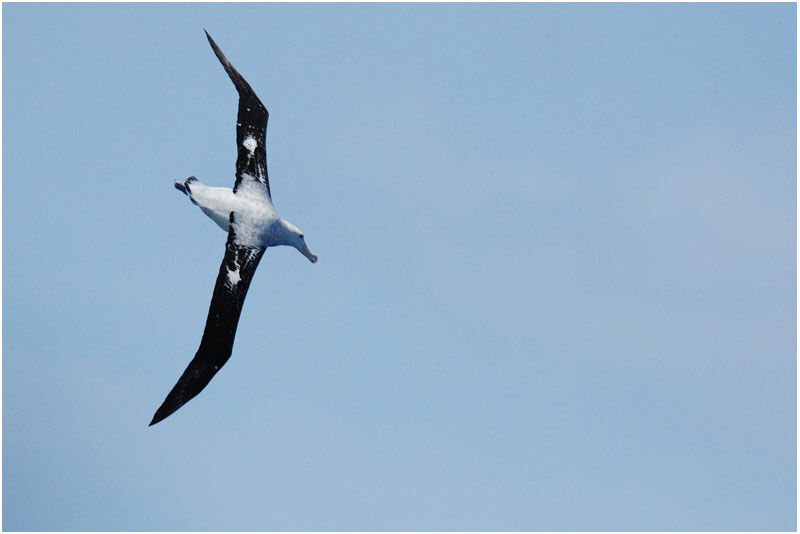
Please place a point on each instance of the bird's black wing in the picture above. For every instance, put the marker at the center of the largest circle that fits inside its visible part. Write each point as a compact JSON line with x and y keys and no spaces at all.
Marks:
{"x":233,"y":280}
{"x":251,"y":130}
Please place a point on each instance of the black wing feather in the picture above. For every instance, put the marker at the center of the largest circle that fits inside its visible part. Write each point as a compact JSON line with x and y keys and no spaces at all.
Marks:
{"x":223,"y":318}
{"x":251,"y":122}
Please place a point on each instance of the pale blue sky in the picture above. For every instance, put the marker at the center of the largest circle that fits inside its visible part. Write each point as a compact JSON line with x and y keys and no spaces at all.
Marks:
{"x":556,"y":286}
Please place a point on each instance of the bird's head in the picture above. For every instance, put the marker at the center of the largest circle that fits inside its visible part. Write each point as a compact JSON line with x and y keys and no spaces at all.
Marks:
{"x":298,"y":241}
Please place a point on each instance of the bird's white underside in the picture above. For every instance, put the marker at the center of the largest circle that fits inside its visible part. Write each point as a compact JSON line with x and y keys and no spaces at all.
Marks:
{"x":256,"y":223}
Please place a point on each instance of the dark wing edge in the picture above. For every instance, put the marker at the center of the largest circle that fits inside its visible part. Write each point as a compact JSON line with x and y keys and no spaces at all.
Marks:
{"x":235,"y":274}
{"x":251,"y":123}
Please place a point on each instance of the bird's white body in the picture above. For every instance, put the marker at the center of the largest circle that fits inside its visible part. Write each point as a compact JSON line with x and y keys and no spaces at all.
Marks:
{"x":257,"y":224}
{"x":216,"y":202}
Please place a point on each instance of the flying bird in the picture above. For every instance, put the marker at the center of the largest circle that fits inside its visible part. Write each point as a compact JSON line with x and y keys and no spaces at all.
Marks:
{"x":246,"y":213}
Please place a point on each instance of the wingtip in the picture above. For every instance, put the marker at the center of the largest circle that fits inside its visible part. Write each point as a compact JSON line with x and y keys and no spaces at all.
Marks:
{"x":211,"y":40}
{"x":163,"y":412}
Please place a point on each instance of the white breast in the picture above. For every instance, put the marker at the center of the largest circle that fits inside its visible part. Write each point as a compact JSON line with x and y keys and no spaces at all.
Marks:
{"x":256,"y":221}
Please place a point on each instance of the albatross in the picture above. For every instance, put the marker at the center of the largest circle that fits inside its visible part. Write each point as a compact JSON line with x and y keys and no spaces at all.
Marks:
{"x":246,"y":213}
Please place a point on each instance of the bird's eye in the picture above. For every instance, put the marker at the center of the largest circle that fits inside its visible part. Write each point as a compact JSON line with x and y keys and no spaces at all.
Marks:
{"x":301,"y":236}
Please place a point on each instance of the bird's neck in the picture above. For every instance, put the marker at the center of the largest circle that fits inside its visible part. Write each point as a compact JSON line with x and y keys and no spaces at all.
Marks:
{"x":284,"y":234}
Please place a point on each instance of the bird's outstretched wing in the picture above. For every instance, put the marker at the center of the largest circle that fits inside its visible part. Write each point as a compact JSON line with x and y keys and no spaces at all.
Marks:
{"x":251,"y":131}
{"x":233,"y":280}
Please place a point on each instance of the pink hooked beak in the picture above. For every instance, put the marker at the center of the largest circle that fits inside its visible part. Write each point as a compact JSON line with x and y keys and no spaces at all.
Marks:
{"x":308,"y":254}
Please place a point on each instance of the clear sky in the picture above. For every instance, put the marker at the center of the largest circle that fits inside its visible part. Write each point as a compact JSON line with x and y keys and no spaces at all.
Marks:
{"x":556,"y":286}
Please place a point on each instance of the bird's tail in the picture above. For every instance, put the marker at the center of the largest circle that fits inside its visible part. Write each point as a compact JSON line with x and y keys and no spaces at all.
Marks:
{"x":185,"y":186}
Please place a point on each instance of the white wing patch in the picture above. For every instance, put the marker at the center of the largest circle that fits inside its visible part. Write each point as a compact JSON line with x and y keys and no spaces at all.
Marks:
{"x":233,"y":277}
{"x":250,"y":144}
